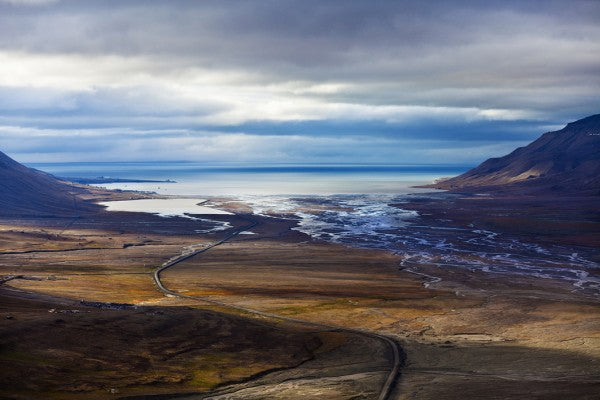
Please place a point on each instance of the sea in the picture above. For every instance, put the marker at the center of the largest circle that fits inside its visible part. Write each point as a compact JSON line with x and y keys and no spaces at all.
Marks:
{"x":356,"y":205}
{"x":235,"y":179}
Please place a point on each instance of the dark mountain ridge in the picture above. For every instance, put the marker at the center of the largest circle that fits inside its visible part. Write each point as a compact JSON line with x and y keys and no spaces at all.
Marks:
{"x":566,"y":161}
{"x":28,"y":192}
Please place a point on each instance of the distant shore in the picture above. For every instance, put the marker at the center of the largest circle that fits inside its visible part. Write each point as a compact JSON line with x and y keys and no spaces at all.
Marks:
{"x":106,"y":179}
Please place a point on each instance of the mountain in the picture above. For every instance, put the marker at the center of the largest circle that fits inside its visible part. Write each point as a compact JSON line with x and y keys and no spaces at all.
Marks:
{"x":28,"y":192}
{"x":561,"y":162}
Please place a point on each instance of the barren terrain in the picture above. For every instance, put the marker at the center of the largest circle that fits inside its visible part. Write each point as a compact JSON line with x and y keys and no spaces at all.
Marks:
{"x":461,"y":335}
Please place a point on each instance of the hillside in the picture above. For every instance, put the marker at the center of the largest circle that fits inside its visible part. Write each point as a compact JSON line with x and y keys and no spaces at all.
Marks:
{"x":561,"y":162}
{"x":28,"y":192}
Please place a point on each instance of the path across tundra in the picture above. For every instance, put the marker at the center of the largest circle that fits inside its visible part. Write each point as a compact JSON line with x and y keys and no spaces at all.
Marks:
{"x":391,"y":343}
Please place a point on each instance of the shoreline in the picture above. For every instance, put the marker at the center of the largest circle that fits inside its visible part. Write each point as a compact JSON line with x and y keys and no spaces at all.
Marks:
{"x":428,"y":204}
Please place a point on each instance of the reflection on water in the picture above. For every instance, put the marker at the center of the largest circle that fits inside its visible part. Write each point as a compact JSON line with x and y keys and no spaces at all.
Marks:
{"x":164,"y":207}
{"x":175,"y":207}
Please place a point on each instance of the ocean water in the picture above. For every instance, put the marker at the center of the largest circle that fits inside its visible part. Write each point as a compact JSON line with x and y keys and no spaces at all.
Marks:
{"x":235,"y":179}
{"x":355,"y":205}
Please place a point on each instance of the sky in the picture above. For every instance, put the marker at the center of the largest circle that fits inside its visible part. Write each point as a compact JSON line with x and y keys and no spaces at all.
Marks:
{"x":340,"y":81}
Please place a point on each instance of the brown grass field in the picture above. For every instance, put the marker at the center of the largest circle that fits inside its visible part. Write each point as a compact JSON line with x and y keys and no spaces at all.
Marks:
{"x":472,"y":336}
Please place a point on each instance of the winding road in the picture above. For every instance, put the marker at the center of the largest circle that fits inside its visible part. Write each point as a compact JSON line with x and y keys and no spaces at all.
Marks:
{"x":394,"y":347}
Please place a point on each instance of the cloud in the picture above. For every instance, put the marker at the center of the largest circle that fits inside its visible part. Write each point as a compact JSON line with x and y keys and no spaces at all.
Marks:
{"x":29,"y":2}
{"x":47,"y":146}
{"x":378,"y":70}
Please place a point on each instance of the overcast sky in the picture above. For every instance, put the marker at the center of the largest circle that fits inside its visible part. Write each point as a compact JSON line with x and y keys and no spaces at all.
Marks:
{"x":292,"y":81}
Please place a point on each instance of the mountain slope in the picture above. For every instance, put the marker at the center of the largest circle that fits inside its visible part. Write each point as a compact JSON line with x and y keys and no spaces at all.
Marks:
{"x":564,"y":161}
{"x":29,"y":192}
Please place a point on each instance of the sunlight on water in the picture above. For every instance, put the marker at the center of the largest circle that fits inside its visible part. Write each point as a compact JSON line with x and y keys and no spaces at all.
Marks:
{"x":164,"y":207}
{"x":197,"y":179}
